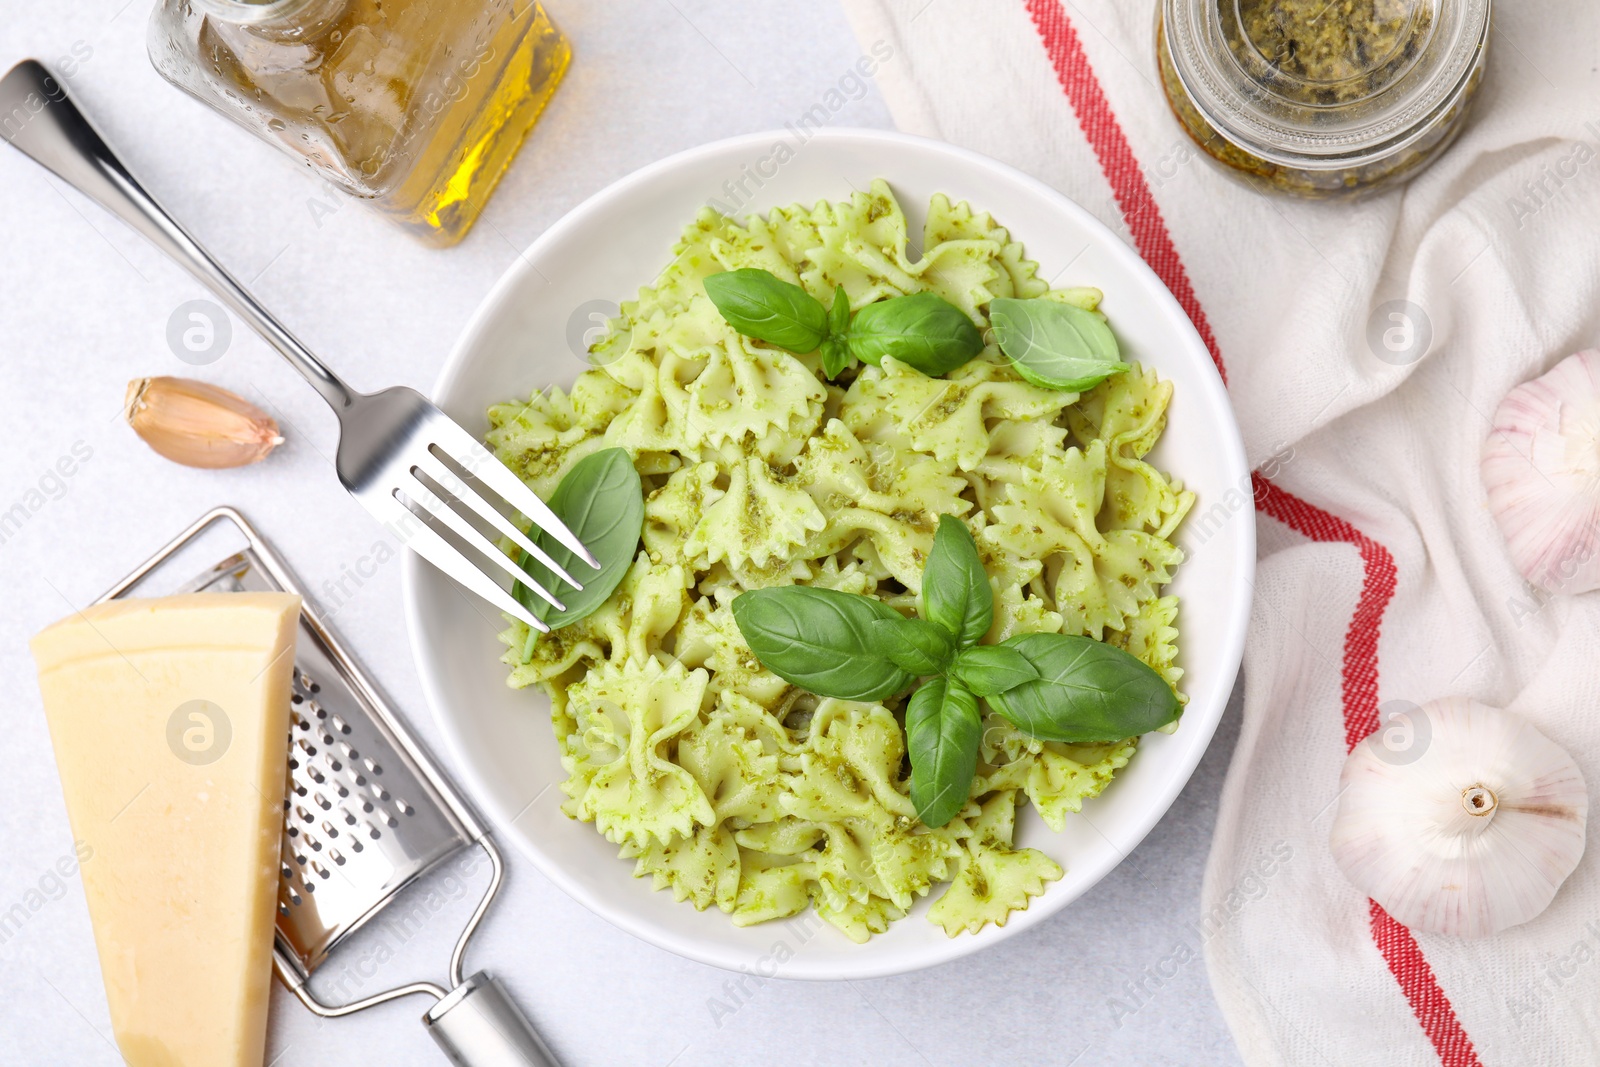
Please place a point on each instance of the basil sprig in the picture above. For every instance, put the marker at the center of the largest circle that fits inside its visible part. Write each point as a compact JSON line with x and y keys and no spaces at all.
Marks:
{"x":852,"y":647}
{"x":921,"y":330}
{"x":1055,"y":345}
{"x":602,"y":502}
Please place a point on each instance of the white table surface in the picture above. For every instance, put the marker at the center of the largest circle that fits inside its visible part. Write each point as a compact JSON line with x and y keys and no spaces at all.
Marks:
{"x":84,"y":306}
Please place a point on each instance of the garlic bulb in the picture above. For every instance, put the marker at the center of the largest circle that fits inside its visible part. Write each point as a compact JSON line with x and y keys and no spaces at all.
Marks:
{"x":1541,"y":468}
{"x":199,"y":425}
{"x":1470,"y":829}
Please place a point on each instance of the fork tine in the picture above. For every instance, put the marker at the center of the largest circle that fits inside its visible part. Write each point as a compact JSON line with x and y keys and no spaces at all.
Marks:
{"x":421,"y":494}
{"x":427,"y":543}
{"x":482,"y":464}
{"x":430,"y":465}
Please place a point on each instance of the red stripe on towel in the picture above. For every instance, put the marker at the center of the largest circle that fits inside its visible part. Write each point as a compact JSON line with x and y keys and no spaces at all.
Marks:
{"x":1377,"y":589}
{"x":1428,"y":1001}
{"x":1143,"y":217}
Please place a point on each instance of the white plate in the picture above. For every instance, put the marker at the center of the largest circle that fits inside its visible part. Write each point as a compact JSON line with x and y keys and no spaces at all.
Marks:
{"x":602,"y":251}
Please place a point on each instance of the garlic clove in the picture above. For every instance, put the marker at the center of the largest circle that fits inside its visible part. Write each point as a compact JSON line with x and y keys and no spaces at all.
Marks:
{"x":197,"y":424}
{"x":1470,"y":830}
{"x":1541,"y":470}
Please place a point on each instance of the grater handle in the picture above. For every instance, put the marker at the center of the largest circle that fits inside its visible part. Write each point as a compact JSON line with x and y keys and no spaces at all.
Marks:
{"x":478,"y":1025}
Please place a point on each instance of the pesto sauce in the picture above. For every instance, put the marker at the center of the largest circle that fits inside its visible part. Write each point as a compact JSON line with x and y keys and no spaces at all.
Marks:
{"x":1324,"y":52}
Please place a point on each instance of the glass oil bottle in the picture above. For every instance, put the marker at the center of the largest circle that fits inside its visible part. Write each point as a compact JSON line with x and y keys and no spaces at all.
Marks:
{"x":415,"y":106}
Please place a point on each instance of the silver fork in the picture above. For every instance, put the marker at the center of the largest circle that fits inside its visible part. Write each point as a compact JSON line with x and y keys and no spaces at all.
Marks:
{"x":395,"y":446}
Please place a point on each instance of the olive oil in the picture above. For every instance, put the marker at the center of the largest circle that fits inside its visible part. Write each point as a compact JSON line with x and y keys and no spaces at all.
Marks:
{"x":415,"y":106}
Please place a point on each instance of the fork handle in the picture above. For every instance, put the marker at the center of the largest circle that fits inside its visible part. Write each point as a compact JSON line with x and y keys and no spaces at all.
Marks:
{"x":42,"y":121}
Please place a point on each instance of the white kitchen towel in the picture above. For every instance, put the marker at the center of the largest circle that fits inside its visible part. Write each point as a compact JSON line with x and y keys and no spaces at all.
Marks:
{"x":1382,"y":575}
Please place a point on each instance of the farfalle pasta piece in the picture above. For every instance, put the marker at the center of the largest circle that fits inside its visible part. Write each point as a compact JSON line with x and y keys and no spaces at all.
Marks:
{"x":944,"y":417}
{"x":907,"y":862}
{"x":759,"y":518}
{"x":849,"y":577}
{"x":859,"y":920}
{"x":875,"y":491}
{"x":1015,"y":275}
{"x":1061,"y":777}
{"x":964,"y":273}
{"x":893,"y":546}
{"x":843,"y":866}
{"x":850,"y":766}
{"x":791,"y":230}
{"x":1100,"y":589}
{"x":991,"y":884}
{"x":553,"y":655}
{"x":747,"y":392}
{"x":650,"y":601}
{"x":630,"y":625}
{"x":539,"y":439}
{"x":771,"y":888}
{"x":1139,"y":497}
{"x":735,"y":762}
{"x":1127,"y":411}
{"x":702,"y":868}
{"x":626,"y":717}
{"x":840,"y":472}
{"x":994,"y":879}
{"x":657,"y":420}
{"x":861,"y":244}
{"x":673,"y":511}
{"x":1096,"y":579}
{"x":785,"y":836}
{"x":1015,"y":448}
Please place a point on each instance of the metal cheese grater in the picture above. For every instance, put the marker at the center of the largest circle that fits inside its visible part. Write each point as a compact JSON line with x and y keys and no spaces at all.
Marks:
{"x":367,"y":814}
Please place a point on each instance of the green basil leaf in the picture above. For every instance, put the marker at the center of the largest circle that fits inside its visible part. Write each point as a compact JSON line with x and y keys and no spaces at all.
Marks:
{"x":835,"y":358}
{"x":989,"y":670}
{"x":765,"y":307}
{"x":602,"y":502}
{"x":1055,"y":345}
{"x":955,"y":590}
{"x":820,"y":640}
{"x":835,"y":348}
{"x":942,"y":733}
{"x":913,"y":645}
{"x":839,"y":314}
{"x":922,"y":330}
{"x":1086,"y":691}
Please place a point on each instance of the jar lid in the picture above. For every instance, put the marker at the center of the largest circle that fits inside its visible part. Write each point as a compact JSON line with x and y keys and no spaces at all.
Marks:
{"x":1324,"y":83}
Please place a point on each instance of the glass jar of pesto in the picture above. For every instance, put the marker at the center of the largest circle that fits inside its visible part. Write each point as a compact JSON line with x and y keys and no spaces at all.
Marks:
{"x":1322,"y":98}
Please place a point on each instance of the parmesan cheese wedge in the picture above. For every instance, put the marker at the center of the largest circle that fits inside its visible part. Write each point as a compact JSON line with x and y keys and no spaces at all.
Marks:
{"x":170,"y":723}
